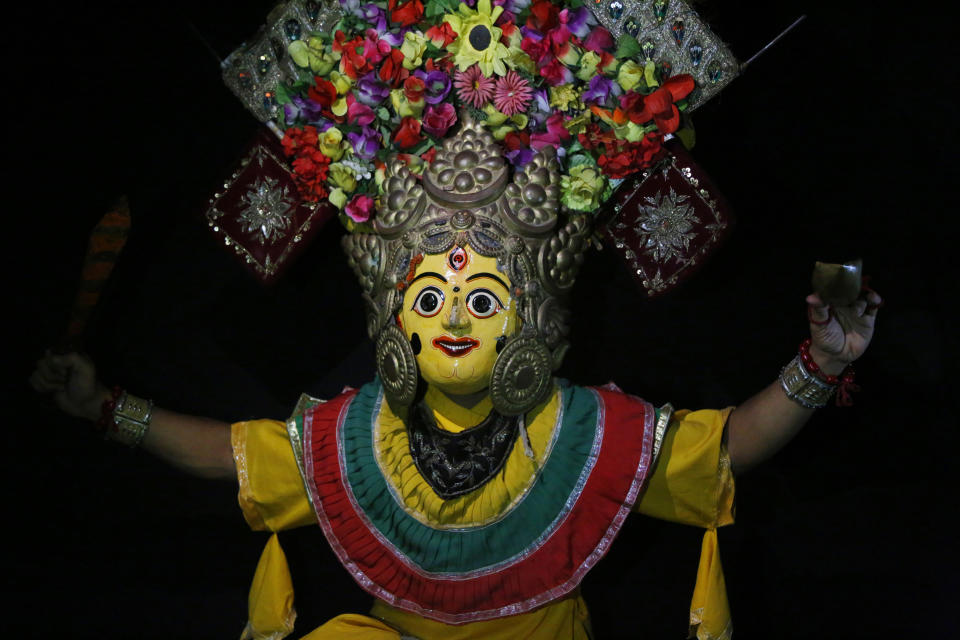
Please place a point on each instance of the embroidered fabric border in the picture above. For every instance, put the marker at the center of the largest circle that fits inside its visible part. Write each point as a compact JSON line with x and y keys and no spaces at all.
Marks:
{"x":589,"y":560}
{"x":532,"y":547}
{"x":515,"y":502}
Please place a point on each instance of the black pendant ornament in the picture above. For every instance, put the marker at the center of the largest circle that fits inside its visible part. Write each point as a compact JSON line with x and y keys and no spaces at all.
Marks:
{"x":457,"y":463}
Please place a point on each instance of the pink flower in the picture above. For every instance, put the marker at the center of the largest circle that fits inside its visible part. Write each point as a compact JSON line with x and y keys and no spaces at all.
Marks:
{"x":358,"y":113}
{"x":439,"y":118}
{"x":554,"y":136}
{"x":598,"y":40}
{"x":359,"y":208}
{"x":473,"y":87}
{"x":512,"y":94}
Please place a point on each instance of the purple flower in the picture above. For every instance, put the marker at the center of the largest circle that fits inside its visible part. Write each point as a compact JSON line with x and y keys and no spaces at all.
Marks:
{"x":365,"y":144}
{"x":304,"y":109}
{"x":520,"y":157}
{"x":578,"y":21}
{"x":438,"y":85}
{"x":600,"y":90}
{"x":376,"y":16}
{"x":513,"y":6}
{"x":395,"y":38}
{"x":370,"y":91}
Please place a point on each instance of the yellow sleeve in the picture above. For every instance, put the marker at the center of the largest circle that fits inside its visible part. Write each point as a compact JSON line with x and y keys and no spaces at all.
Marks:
{"x":692,"y":482}
{"x":272,"y":495}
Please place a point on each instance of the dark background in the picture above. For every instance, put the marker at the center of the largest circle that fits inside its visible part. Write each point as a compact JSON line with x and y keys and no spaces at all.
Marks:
{"x":838,"y":143}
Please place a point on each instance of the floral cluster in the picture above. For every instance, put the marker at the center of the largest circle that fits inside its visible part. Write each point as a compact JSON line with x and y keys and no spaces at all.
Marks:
{"x":395,"y":75}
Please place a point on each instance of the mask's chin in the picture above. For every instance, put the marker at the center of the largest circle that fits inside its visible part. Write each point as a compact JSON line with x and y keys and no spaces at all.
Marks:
{"x":475,"y":385}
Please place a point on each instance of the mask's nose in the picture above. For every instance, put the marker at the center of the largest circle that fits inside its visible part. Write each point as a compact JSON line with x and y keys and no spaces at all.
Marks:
{"x":458,"y":319}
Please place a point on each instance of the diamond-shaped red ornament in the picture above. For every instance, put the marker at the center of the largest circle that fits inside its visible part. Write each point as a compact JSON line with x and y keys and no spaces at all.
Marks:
{"x":259,"y":213}
{"x":666,"y":221}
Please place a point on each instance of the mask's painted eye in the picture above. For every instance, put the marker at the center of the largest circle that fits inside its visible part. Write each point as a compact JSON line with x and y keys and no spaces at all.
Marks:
{"x":483,"y":303}
{"x":428,"y":302}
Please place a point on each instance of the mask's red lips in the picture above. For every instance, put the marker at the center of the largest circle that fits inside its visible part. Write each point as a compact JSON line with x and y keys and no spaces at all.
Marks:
{"x":455,"y":347}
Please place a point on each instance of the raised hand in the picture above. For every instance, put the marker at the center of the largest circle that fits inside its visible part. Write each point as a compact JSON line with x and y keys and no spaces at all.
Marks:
{"x":841,"y":334}
{"x":71,"y":379}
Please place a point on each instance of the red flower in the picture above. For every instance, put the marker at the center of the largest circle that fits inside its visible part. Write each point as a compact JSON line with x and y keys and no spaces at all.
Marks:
{"x":625,"y":158}
{"x":408,"y":133}
{"x":406,"y":15}
{"x":322,"y":92}
{"x":544,"y":15}
{"x":428,"y":155}
{"x":659,"y":106}
{"x":536,"y":49}
{"x":413,"y":88}
{"x":392,"y":71}
{"x":295,"y":139}
{"x":555,"y":73}
{"x":439,"y":118}
{"x":517,"y":140}
{"x":441,"y":35}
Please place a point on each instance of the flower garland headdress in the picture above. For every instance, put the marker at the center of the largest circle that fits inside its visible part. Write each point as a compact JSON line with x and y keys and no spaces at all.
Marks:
{"x":349,"y":84}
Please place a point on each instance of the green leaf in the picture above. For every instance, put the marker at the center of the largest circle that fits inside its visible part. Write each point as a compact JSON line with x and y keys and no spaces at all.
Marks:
{"x":433,"y":8}
{"x":282,"y":95}
{"x":687,"y":136}
{"x":629,"y":47}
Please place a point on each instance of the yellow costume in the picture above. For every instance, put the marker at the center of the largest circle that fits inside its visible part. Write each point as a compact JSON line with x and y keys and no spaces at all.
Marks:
{"x":691,"y":483}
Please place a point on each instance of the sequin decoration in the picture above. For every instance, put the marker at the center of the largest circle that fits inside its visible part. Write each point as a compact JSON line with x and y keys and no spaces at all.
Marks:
{"x":632,"y":26}
{"x":263,"y":63}
{"x":677,"y":29}
{"x":666,"y":226}
{"x":696,"y":53}
{"x":660,"y":10}
{"x":648,"y":48}
{"x":267,"y":210}
{"x":293,"y":29}
{"x":715,"y":71}
{"x":615,"y":9}
{"x":313,"y":9}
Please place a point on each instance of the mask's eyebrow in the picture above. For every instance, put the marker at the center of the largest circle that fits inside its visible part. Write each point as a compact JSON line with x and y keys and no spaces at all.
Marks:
{"x":484,"y":274}
{"x":429,"y":274}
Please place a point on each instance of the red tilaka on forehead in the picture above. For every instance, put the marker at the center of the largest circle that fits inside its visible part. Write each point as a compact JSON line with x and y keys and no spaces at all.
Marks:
{"x":457,"y":259}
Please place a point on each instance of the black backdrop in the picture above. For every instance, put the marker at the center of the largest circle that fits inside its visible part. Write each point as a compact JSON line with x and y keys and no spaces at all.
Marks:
{"x":837,"y":143}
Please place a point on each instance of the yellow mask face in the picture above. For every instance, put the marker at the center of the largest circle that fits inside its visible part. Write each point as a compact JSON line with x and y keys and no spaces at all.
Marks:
{"x":455,"y":309}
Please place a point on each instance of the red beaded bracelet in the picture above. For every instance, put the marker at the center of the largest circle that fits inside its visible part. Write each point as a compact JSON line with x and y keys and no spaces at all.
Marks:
{"x":106,"y":409}
{"x":844,"y":382}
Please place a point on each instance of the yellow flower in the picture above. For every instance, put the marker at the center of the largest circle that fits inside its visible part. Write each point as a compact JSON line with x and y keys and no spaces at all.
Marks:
{"x":478,"y":40}
{"x":331,"y":143}
{"x":341,"y":82}
{"x":413,"y":47}
{"x":337,"y":197}
{"x":630,"y":75}
{"x":588,"y":66}
{"x":312,"y":54}
{"x":403,"y":106}
{"x":582,"y":188}
{"x":520,"y":60}
{"x":564,"y":96}
{"x":343,"y":177}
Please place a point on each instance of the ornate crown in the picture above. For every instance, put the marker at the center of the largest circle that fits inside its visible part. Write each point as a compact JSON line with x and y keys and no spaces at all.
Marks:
{"x":468,"y":197}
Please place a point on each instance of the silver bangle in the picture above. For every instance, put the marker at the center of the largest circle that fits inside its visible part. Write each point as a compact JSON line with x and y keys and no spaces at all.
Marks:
{"x":131,"y":420}
{"x":803,"y":387}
